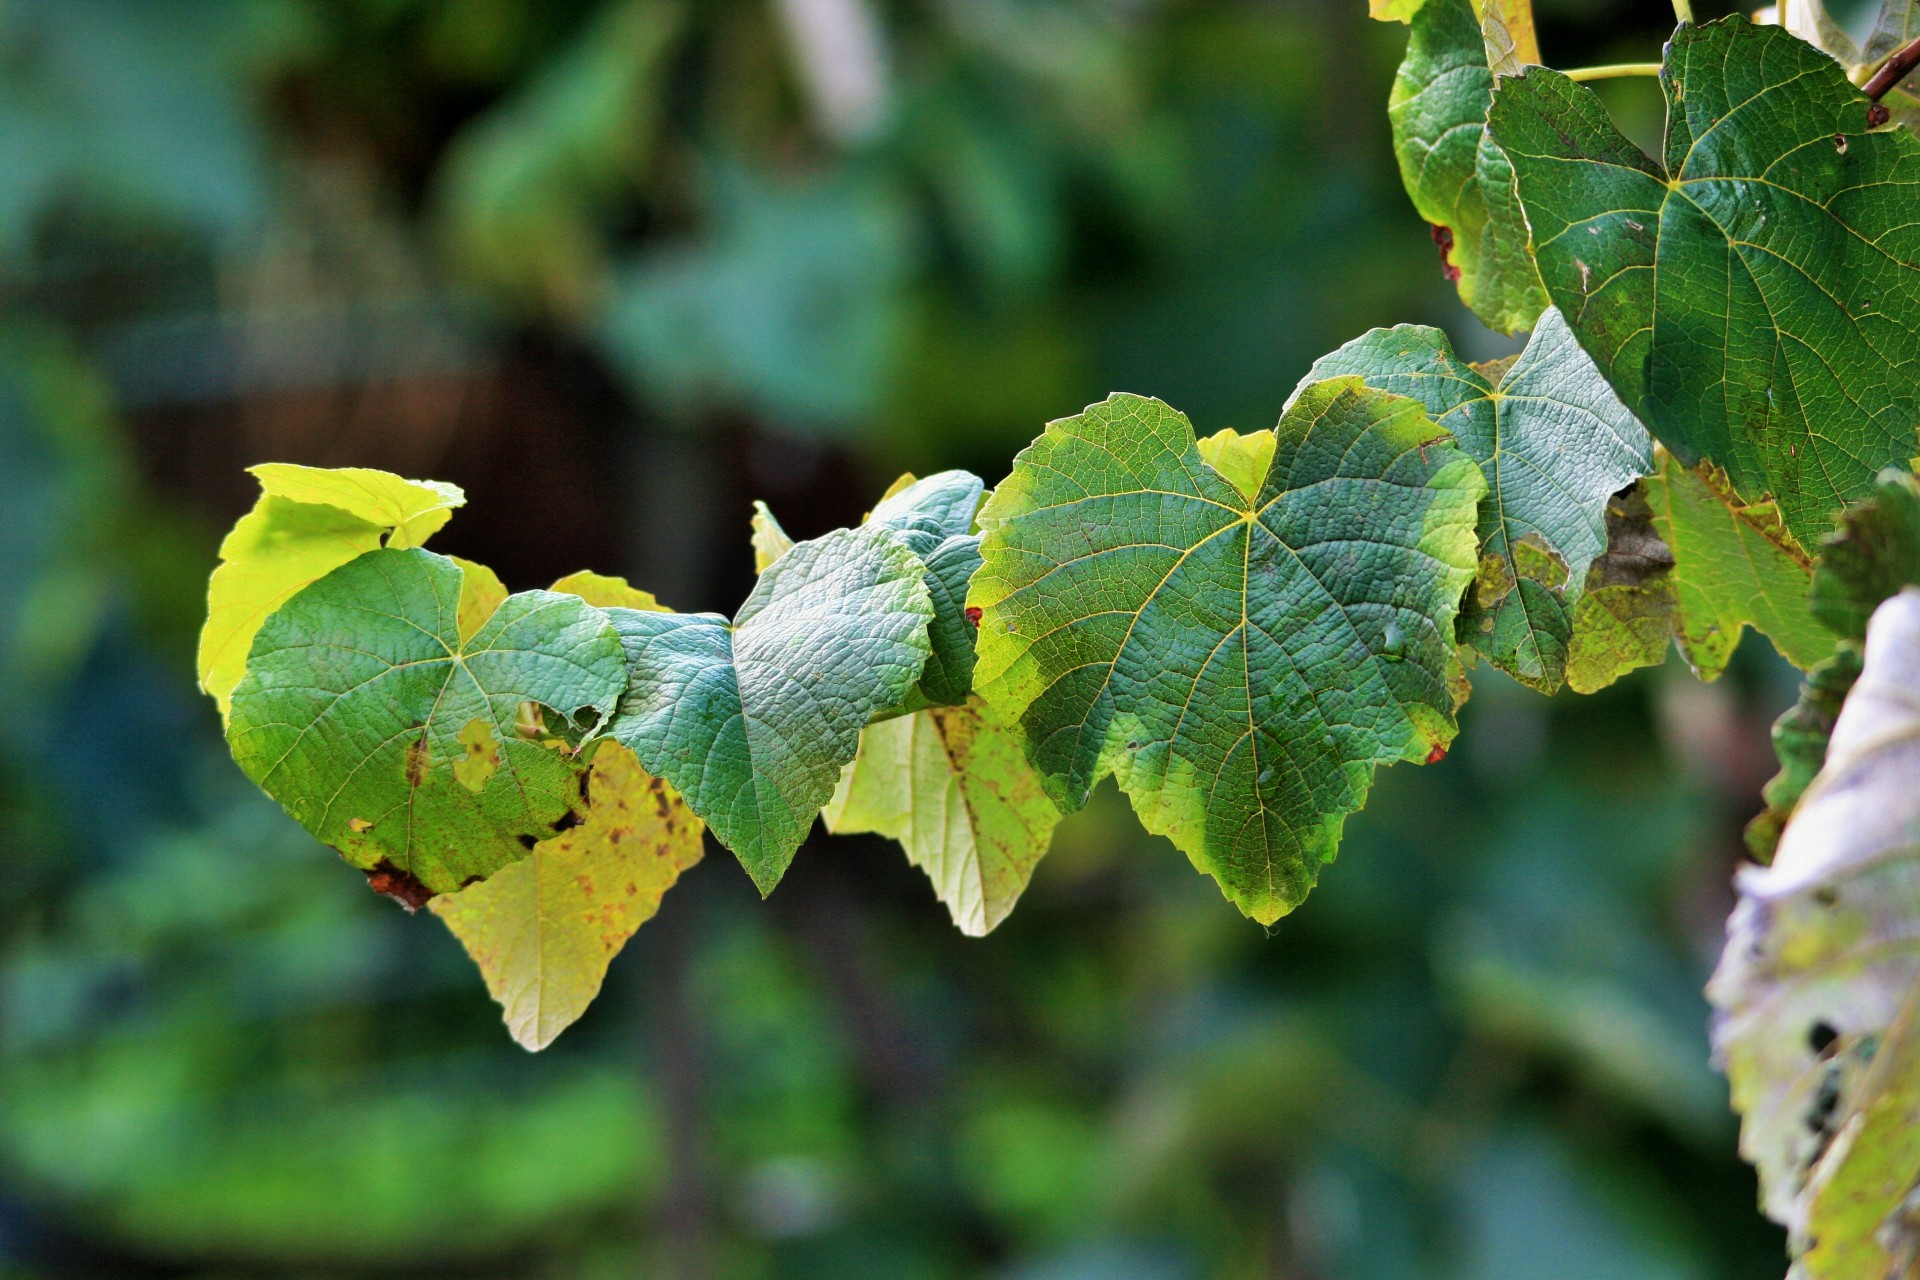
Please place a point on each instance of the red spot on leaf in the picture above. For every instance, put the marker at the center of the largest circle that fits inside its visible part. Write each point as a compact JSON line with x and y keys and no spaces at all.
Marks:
{"x":1436,"y":755}
{"x":973,"y":615}
{"x":1443,"y":239}
{"x":1878,"y":113}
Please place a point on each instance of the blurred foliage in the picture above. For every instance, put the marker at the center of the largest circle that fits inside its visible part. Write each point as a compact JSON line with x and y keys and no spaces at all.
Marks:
{"x":498,"y":240}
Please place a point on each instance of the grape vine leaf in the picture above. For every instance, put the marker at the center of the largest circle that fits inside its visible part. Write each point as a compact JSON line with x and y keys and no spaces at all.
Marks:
{"x":307,"y":522}
{"x":948,"y":783}
{"x":1755,"y":298}
{"x":955,"y":789}
{"x":753,"y":720}
{"x":1240,"y":666}
{"x":543,"y":930}
{"x":1457,"y":178}
{"x":1624,"y":618}
{"x":934,"y":517}
{"x":388,"y":735}
{"x":1735,"y":565}
{"x":1818,"y":991}
{"x":1555,"y":445}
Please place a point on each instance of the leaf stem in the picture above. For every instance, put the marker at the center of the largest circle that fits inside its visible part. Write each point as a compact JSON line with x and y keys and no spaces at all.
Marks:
{"x":1683,"y":10}
{"x":1893,"y":70}
{"x":1614,"y":70}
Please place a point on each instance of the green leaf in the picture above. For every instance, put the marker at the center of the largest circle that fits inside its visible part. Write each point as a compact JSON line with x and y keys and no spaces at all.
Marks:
{"x":1555,"y":445}
{"x":308,"y":522}
{"x":366,"y":716}
{"x":934,"y":517}
{"x":955,"y":789}
{"x":753,"y":720}
{"x":1776,"y":335}
{"x":1457,"y":178}
{"x":1817,"y":990}
{"x":1872,"y":554}
{"x":1624,"y":618}
{"x":1735,"y":565}
{"x":543,"y":930}
{"x":1240,"y":667}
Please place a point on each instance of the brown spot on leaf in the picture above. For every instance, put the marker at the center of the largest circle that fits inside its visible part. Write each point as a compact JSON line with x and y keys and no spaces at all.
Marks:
{"x":417,"y":761}
{"x":403,"y":887}
{"x":1443,"y":240}
{"x":1878,"y":113}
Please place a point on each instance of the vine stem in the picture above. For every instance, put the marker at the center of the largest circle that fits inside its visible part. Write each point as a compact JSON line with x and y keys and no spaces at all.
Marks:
{"x":1613,"y":71}
{"x":1893,"y":70}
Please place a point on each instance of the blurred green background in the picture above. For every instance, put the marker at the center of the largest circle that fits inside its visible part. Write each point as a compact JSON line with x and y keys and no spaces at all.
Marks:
{"x":618,"y":267}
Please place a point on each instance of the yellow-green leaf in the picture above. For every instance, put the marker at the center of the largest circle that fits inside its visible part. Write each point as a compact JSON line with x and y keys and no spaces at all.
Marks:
{"x":544,"y":929}
{"x":308,"y":522}
{"x":1735,"y":565}
{"x":955,"y":789}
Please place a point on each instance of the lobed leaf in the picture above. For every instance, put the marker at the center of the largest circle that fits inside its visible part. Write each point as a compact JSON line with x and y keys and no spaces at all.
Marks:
{"x":955,"y":789}
{"x":308,"y":521}
{"x":395,"y":738}
{"x":1457,"y":178}
{"x":1555,"y":445}
{"x":1240,"y":666}
{"x":543,"y":930}
{"x":1755,"y":296}
{"x":753,"y":720}
{"x":1817,"y":991}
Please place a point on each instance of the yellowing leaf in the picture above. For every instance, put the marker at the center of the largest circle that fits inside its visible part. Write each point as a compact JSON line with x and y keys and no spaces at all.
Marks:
{"x":481,"y":592}
{"x":770,"y":541}
{"x":1735,"y":565}
{"x":1242,"y":459}
{"x":956,"y":791}
{"x":604,"y":591}
{"x":413,"y":509}
{"x":544,"y":929}
{"x":308,"y":522}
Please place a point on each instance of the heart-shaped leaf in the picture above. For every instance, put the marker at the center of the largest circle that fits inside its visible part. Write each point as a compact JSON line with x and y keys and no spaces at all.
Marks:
{"x":753,"y":720}
{"x":1241,"y":665}
{"x":1555,"y":445}
{"x":388,"y":735}
{"x":1755,"y":296}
